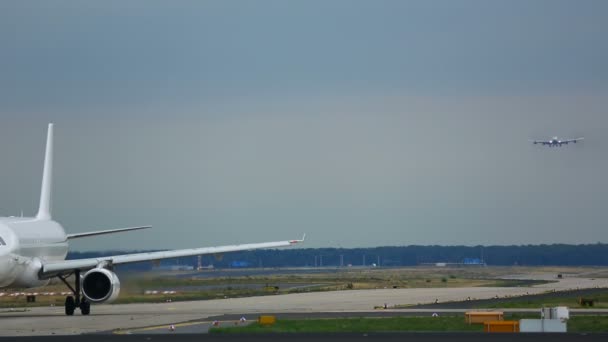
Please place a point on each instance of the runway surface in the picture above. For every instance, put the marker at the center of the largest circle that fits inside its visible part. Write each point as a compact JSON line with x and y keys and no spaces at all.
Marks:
{"x":51,"y":320}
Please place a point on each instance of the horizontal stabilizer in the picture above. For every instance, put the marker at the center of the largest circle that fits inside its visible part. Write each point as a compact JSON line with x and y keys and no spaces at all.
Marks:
{"x":102,"y":232}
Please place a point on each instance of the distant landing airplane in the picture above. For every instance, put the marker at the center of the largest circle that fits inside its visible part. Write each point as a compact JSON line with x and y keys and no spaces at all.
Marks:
{"x":556,"y":142}
{"x":33,"y":250}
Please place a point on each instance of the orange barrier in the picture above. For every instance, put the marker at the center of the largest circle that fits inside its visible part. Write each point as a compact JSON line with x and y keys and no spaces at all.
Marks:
{"x":501,"y":327}
{"x":480,"y":317}
{"x":267,"y":320}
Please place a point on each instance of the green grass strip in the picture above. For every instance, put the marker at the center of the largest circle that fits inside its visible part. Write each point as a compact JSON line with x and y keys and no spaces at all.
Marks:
{"x":576,"y":324}
{"x":357,"y":325}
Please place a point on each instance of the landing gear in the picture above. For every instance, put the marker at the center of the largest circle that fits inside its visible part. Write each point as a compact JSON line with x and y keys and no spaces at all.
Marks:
{"x":85,"y":307}
{"x":70,"y":305}
{"x":73,"y":302}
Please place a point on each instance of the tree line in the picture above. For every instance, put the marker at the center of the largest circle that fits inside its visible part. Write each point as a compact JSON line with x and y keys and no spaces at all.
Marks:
{"x":524,"y":255}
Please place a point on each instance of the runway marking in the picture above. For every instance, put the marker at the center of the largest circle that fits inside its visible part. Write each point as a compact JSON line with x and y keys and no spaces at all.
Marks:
{"x":164,"y":326}
{"x":129,"y":331}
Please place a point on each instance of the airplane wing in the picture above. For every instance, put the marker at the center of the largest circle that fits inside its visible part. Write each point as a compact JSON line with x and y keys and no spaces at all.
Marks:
{"x":543,"y":142}
{"x":101,"y":232}
{"x":572,"y":140}
{"x":54,"y":268}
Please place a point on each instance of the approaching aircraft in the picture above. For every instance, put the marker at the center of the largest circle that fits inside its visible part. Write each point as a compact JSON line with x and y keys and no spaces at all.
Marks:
{"x":556,"y":142}
{"x":33,"y":250}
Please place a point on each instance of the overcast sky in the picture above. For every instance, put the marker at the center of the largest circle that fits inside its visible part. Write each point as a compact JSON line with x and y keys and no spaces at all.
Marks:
{"x":361,"y":123}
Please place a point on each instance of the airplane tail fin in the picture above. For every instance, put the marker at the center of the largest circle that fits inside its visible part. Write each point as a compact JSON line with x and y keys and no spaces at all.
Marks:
{"x":44,"y":209}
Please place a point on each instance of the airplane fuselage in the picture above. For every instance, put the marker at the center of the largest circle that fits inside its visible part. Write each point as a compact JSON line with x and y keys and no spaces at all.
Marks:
{"x":24,"y":244}
{"x":555,"y":142}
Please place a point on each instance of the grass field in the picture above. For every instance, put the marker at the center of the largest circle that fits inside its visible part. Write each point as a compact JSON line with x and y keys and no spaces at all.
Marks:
{"x":577,"y":324}
{"x":588,"y":324}
{"x":600,"y":302}
{"x":420,"y":324}
{"x":369,"y":278}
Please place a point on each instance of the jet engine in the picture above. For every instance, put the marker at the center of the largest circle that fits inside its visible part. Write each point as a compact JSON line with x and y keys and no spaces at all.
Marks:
{"x":100,"y":285}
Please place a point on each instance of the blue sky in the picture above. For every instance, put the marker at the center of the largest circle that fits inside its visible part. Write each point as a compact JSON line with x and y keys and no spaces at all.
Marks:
{"x":361,"y":123}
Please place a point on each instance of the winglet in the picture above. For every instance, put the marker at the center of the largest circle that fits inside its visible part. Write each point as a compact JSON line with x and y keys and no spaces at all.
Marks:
{"x":293,"y":242}
{"x":44,"y":209}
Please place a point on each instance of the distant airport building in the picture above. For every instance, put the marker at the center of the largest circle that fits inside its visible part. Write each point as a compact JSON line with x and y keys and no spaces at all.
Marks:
{"x":239,"y":264}
{"x":464,"y":262}
{"x":175,"y":268}
{"x":473,"y":261}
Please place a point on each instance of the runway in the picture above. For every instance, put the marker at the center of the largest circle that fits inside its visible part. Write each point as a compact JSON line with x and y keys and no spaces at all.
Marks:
{"x":104,"y":318}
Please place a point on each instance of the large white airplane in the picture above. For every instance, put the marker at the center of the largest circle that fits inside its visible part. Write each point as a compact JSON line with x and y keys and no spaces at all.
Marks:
{"x":33,"y":250}
{"x":556,"y":142}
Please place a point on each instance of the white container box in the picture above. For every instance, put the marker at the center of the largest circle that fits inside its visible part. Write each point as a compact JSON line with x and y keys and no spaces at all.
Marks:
{"x":542,"y":325}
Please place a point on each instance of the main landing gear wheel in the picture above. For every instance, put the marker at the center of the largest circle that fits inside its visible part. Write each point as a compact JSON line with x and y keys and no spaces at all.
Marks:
{"x":85,"y":307}
{"x":73,"y":302}
{"x":70,"y":305}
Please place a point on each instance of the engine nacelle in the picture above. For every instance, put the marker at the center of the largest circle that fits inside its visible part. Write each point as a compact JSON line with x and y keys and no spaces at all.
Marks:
{"x":100,"y":285}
